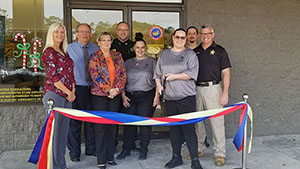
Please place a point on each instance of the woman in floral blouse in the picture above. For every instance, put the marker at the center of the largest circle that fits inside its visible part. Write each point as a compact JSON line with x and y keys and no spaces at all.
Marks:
{"x":108,"y":75}
{"x":59,"y":86}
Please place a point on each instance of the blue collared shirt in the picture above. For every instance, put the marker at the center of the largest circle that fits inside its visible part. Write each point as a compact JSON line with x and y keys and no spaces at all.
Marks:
{"x":75,"y":51}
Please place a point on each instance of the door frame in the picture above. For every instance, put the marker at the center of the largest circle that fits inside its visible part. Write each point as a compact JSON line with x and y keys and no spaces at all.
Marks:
{"x":126,"y":7}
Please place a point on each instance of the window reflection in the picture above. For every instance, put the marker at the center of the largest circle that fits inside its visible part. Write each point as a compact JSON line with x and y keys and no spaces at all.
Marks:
{"x":23,"y":24}
{"x":146,"y":21}
{"x":99,"y":20}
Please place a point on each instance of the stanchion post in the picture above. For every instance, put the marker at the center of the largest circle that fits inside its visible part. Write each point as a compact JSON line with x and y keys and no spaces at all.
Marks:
{"x":244,"y":151}
{"x":50,"y":103}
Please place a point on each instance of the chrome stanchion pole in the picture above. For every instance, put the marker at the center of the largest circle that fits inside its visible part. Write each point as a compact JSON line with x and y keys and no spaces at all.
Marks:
{"x":50,"y":103}
{"x":244,"y":151}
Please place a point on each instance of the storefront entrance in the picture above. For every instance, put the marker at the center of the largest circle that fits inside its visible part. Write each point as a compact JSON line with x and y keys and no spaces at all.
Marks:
{"x":155,"y":20}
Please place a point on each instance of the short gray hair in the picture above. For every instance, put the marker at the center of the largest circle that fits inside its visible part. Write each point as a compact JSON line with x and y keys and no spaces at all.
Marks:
{"x":207,"y":26}
{"x":77,"y":27}
{"x":103,"y":34}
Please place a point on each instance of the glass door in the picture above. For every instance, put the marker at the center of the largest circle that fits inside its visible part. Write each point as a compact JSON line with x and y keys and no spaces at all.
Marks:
{"x":99,"y":20}
{"x":155,"y":20}
{"x":157,"y":27}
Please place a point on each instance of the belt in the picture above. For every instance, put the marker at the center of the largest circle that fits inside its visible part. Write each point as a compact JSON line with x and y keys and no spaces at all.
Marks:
{"x":206,"y":84}
{"x":141,"y":92}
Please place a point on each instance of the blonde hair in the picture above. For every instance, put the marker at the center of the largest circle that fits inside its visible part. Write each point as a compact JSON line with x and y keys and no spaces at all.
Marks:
{"x":49,"y":40}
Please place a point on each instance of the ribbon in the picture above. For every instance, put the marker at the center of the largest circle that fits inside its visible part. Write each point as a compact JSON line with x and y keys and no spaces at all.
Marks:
{"x":107,"y":117}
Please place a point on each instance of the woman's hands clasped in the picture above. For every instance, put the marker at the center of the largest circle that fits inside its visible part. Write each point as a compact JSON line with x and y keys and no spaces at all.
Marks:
{"x":71,"y":95}
{"x":113,"y":92}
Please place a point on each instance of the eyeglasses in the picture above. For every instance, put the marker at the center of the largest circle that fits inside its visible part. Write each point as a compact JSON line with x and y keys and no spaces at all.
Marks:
{"x":123,"y":30}
{"x":103,"y":40}
{"x":84,"y":32}
{"x":180,"y":37}
{"x":203,"y":34}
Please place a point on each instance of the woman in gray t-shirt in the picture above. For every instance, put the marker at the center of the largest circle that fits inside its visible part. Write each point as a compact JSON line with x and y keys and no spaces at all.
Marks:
{"x":140,"y":97}
{"x":179,"y":67}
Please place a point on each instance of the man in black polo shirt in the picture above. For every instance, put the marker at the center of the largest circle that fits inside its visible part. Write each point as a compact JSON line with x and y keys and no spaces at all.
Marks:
{"x":214,"y":64}
{"x":192,"y":36}
{"x":122,"y":43}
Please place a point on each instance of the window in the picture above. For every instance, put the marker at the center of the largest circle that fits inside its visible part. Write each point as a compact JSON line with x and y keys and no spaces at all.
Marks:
{"x":23,"y":24}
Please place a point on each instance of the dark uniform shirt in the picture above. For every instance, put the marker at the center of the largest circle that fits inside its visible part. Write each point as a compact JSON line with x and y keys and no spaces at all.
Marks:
{"x":125,"y":48}
{"x":211,"y":62}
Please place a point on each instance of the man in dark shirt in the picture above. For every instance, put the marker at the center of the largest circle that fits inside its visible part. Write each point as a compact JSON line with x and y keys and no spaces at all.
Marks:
{"x":122,"y":43}
{"x":214,"y":64}
{"x":192,"y":36}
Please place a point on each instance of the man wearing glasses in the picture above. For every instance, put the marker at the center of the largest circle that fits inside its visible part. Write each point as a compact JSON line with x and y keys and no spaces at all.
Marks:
{"x":80,"y":52}
{"x":123,"y":45}
{"x":214,"y":68}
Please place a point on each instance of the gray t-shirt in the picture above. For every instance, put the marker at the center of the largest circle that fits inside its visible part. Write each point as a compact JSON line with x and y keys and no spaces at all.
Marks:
{"x":140,"y":74}
{"x":186,"y":62}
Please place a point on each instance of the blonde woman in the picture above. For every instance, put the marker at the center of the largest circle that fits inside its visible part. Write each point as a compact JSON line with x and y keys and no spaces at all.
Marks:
{"x":59,"y":86}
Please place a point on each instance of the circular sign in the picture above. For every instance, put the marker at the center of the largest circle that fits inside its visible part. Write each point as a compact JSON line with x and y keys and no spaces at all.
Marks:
{"x":156,"y":32}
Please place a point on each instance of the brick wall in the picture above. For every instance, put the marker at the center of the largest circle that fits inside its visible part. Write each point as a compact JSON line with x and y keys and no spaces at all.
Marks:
{"x":20,"y":125}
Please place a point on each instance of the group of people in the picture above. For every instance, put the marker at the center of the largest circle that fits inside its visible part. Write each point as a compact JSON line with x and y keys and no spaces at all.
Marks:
{"x":116,"y":75}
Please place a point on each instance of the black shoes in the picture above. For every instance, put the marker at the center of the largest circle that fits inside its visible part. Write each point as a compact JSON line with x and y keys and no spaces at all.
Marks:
{"x":196,"y":164}
{"x":101,"y":166}
{"x":175,"y":161}
{"x":75,"y":159}
{"x":112,"y":163}
{"x":123,"y":154}
{"x":91,"y":154}
{"x":143,"y":156}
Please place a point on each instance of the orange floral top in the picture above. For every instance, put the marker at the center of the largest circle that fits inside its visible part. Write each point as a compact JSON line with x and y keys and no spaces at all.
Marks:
{"x":98,"y":68}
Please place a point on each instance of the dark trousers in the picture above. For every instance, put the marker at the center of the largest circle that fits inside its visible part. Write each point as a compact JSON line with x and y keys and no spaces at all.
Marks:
{"x":105,"y":133}
{"x":180,"y":132}
{"x":82,"y":102}
{"x":141,"y":105}
{"x":60,"y":133}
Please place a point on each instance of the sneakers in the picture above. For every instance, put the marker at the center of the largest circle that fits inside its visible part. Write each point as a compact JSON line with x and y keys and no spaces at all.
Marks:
{"x":220,"y":161}
{"x":123,"y":154}
{"x":174,"y":162}
{"x":200,"y":154}
{"x":196,"y":164}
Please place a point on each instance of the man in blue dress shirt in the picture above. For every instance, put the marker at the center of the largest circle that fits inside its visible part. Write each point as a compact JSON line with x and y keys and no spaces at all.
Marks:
{"x":77,"y":51}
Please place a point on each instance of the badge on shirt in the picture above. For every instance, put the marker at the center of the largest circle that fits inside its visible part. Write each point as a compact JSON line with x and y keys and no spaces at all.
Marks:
{"x":212,"y":52}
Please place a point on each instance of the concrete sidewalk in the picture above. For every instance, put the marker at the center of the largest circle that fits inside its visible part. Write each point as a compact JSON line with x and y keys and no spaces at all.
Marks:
{"x":268,"y":152}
